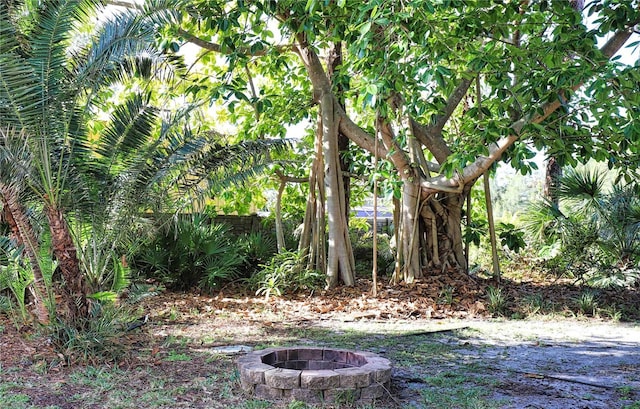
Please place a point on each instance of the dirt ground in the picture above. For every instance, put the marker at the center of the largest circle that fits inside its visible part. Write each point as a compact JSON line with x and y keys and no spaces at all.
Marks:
{"x":443,"y":356}
{"x":547,"y":364}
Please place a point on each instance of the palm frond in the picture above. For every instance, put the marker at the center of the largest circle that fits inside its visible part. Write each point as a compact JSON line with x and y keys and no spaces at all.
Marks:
{"x":581,"y":184}
{"x":8,"y":30}
{"x":624,"y":204}
{"x":19,"y":88}
{"x":124,"y":47}
{"x":49,"y":44}
{"x":215,"y":166}
{"x":163,"y":13}
{"x":15,"y":159}
{"x":542,"y":221}
{"x":129,"y":129}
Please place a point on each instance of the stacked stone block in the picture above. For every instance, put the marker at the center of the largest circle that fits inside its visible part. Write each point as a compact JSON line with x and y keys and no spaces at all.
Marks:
{"x":314,"y":375}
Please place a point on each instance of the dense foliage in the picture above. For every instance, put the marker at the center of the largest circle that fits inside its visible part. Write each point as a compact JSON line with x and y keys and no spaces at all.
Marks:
{"x":84,"y":144}
{"x":192,"y":250}
{"x":594,"y":235}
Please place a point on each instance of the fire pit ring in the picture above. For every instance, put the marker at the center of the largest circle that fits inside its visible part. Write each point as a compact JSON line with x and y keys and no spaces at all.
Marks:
{"x":315,"y":375}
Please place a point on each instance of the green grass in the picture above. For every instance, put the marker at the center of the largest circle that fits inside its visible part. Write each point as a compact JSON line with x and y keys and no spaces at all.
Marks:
{"x":18,"y":399}
{"x":256,"y":404}
{"x":177,"y":357}
{"x":96,"y":377}
{"x":456,"y":390}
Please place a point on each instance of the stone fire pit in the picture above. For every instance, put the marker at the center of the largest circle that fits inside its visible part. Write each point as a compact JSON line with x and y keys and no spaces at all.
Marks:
{"x":314,"y":375}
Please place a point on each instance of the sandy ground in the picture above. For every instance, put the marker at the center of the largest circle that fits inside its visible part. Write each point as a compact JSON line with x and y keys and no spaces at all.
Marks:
{"x":535,"y":364}
{"x":561,"y":364}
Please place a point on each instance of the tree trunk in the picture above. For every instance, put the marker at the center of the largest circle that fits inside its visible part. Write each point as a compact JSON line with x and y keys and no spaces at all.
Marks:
{"x":340,"y":263}
{"x":312,"y":240}
{"x":24,"y":235}
{"x":552,"y":176}
{"x":445,"y":212}
{"x":334,"y":61}
{"x":64,"y":250}
{"x":407,"y":237}
{"x":466,"y":244}
{"x":492,"y":227}
{"x":397,"y":227}
{"x":435,"y":221}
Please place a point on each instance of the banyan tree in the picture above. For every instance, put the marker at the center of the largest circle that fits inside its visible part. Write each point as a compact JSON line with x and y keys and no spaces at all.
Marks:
{"x":439,"y":91}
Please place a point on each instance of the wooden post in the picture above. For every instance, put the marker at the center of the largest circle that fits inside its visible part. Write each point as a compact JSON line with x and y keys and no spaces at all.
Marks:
{"x":492,"y":228}
{"x":374,"y":273}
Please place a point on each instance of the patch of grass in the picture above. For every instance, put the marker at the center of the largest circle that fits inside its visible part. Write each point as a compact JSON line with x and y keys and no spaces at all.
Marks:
{"x":535,"y":304}
{"x":14,"y":400}
{"x":96,"y":378}
{"x":177,"y":357}
{"x":452,"y":390}
{"x":587,"y":302}
{"x":625,"y":392}
{"x":447,"y":379}
{"x":173,"y":340}
{"x":173,"y":314}
{"x":157,"y":398}
{"x":255,"y":404}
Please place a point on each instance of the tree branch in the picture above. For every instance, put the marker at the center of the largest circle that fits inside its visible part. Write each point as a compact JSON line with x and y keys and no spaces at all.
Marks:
{"x":433,"y":141}
{"x":359,"y":136}
{"x":225,"y":50}
{"x":321,"y":85}
{"x":474,"y":170}
{"x":452,"y":103}
{"x":431,"y":136}
{"x":290,"y":179}
{"x":397,"y":156}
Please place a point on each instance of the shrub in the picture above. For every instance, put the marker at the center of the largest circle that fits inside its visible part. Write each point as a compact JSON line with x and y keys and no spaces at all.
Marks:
{"x":535,"y":304}
{"x":97,"y":339}
{"x":15,"y":276}
{"x":587,"y":302}
{"x":191,"y":252}
{"x":284,"y":273}
{"x":257,"y":248}
{"x":595,"y":235}
{"x":496,"y":301}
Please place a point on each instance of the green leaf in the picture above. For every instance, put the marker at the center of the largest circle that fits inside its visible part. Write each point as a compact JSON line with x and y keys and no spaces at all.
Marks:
{"x":365,"y":28}
{"x":311,"y":5}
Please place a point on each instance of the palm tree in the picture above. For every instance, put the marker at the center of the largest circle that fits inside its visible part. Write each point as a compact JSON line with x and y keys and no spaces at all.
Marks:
{"x":46,"y":87}
{"x":13,"y":156}
{"x":50,"y":84}
{"x":595,"y":229}
{"x":615,"y":213}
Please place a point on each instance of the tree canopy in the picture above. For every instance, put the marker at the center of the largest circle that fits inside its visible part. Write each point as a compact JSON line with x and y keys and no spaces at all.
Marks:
{"x":439,"y":90}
